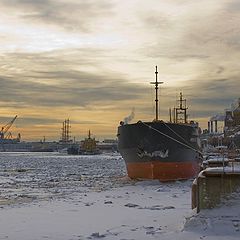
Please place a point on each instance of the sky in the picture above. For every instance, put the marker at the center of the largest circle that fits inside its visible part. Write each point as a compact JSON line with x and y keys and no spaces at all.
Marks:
{"x":91,"y":61}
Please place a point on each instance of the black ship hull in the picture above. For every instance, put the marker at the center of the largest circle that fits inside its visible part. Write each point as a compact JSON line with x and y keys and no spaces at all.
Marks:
{"x":159,"y":150}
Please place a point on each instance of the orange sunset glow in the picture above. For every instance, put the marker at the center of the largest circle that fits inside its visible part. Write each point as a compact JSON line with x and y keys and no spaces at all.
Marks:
{"x":92,"y":61}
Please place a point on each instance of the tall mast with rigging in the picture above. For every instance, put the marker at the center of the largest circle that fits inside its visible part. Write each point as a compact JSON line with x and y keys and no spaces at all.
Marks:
{"x":156,"y":83}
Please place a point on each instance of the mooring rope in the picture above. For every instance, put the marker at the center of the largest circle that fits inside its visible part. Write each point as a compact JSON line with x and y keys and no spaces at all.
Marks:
{"x":175,"y":133}
{"x":186,"y":145}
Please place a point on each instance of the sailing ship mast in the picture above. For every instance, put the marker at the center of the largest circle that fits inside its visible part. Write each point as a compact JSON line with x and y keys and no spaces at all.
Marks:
{"x":156,"y":83}
{"x":66,"y":131}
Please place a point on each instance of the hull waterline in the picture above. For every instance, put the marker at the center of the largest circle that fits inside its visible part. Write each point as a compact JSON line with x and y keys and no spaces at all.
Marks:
{"x":157,"y":150}
{"x":162,"y":171}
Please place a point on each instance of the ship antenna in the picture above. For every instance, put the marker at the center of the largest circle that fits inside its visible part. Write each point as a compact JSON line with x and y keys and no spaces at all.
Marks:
{"x":156,"y":83}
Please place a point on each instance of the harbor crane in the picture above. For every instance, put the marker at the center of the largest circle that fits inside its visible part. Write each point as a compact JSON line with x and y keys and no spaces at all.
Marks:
{"x":6,"y":127}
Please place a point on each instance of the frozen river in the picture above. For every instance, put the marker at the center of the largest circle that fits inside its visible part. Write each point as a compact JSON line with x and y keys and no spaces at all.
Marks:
{"x":33,"y":176}
{"x":61,"y":197}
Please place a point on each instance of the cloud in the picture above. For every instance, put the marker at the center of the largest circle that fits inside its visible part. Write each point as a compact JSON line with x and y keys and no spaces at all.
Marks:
{"x":70,"y":15}
{"x":233,"y":6}
{"x":105,"y":54}
{"x":50,"y":82}
{"x":208,"y":96}
{"x":193,"y":31}
{"x":198,"y":51}
{"x":27,"y":121}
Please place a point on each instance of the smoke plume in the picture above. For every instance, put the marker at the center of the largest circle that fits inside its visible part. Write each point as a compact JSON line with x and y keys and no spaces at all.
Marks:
{"x":218,"y":117}
{"x":130,"y":117}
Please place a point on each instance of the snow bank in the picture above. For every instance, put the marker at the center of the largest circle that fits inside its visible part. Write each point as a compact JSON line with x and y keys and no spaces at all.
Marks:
{"x":50,"y":196}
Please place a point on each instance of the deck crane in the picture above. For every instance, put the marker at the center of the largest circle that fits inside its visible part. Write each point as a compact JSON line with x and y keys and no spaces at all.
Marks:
{"x":6,"y":127}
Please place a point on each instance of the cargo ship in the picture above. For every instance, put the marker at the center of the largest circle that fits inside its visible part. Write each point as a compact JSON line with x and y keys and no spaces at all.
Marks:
{"x":161,"y":150}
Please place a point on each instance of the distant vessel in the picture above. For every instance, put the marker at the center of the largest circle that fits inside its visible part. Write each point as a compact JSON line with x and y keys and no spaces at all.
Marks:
{"x":87,"y":147}
{"x":42,"y":147}
{"x":15,"y":146}
{"x":161,"y":150}
{"x":65,"y":134}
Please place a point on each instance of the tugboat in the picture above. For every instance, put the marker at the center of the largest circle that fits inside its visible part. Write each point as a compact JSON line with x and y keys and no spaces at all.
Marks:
{"x":161,"y":150}
{"x":87,"y":147}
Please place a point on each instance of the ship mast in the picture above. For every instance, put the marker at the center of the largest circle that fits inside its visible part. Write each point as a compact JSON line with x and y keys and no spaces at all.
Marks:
{"x":156,"y":83}
{"x":181,"y":110}
{"x":66,"y":131}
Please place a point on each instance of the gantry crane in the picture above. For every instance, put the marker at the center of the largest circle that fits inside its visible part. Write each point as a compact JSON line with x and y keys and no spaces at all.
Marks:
{"x":6,"y":127}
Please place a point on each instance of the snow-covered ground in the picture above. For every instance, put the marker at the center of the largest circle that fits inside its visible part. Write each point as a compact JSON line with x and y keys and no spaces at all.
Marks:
{"x":54,"y":196}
